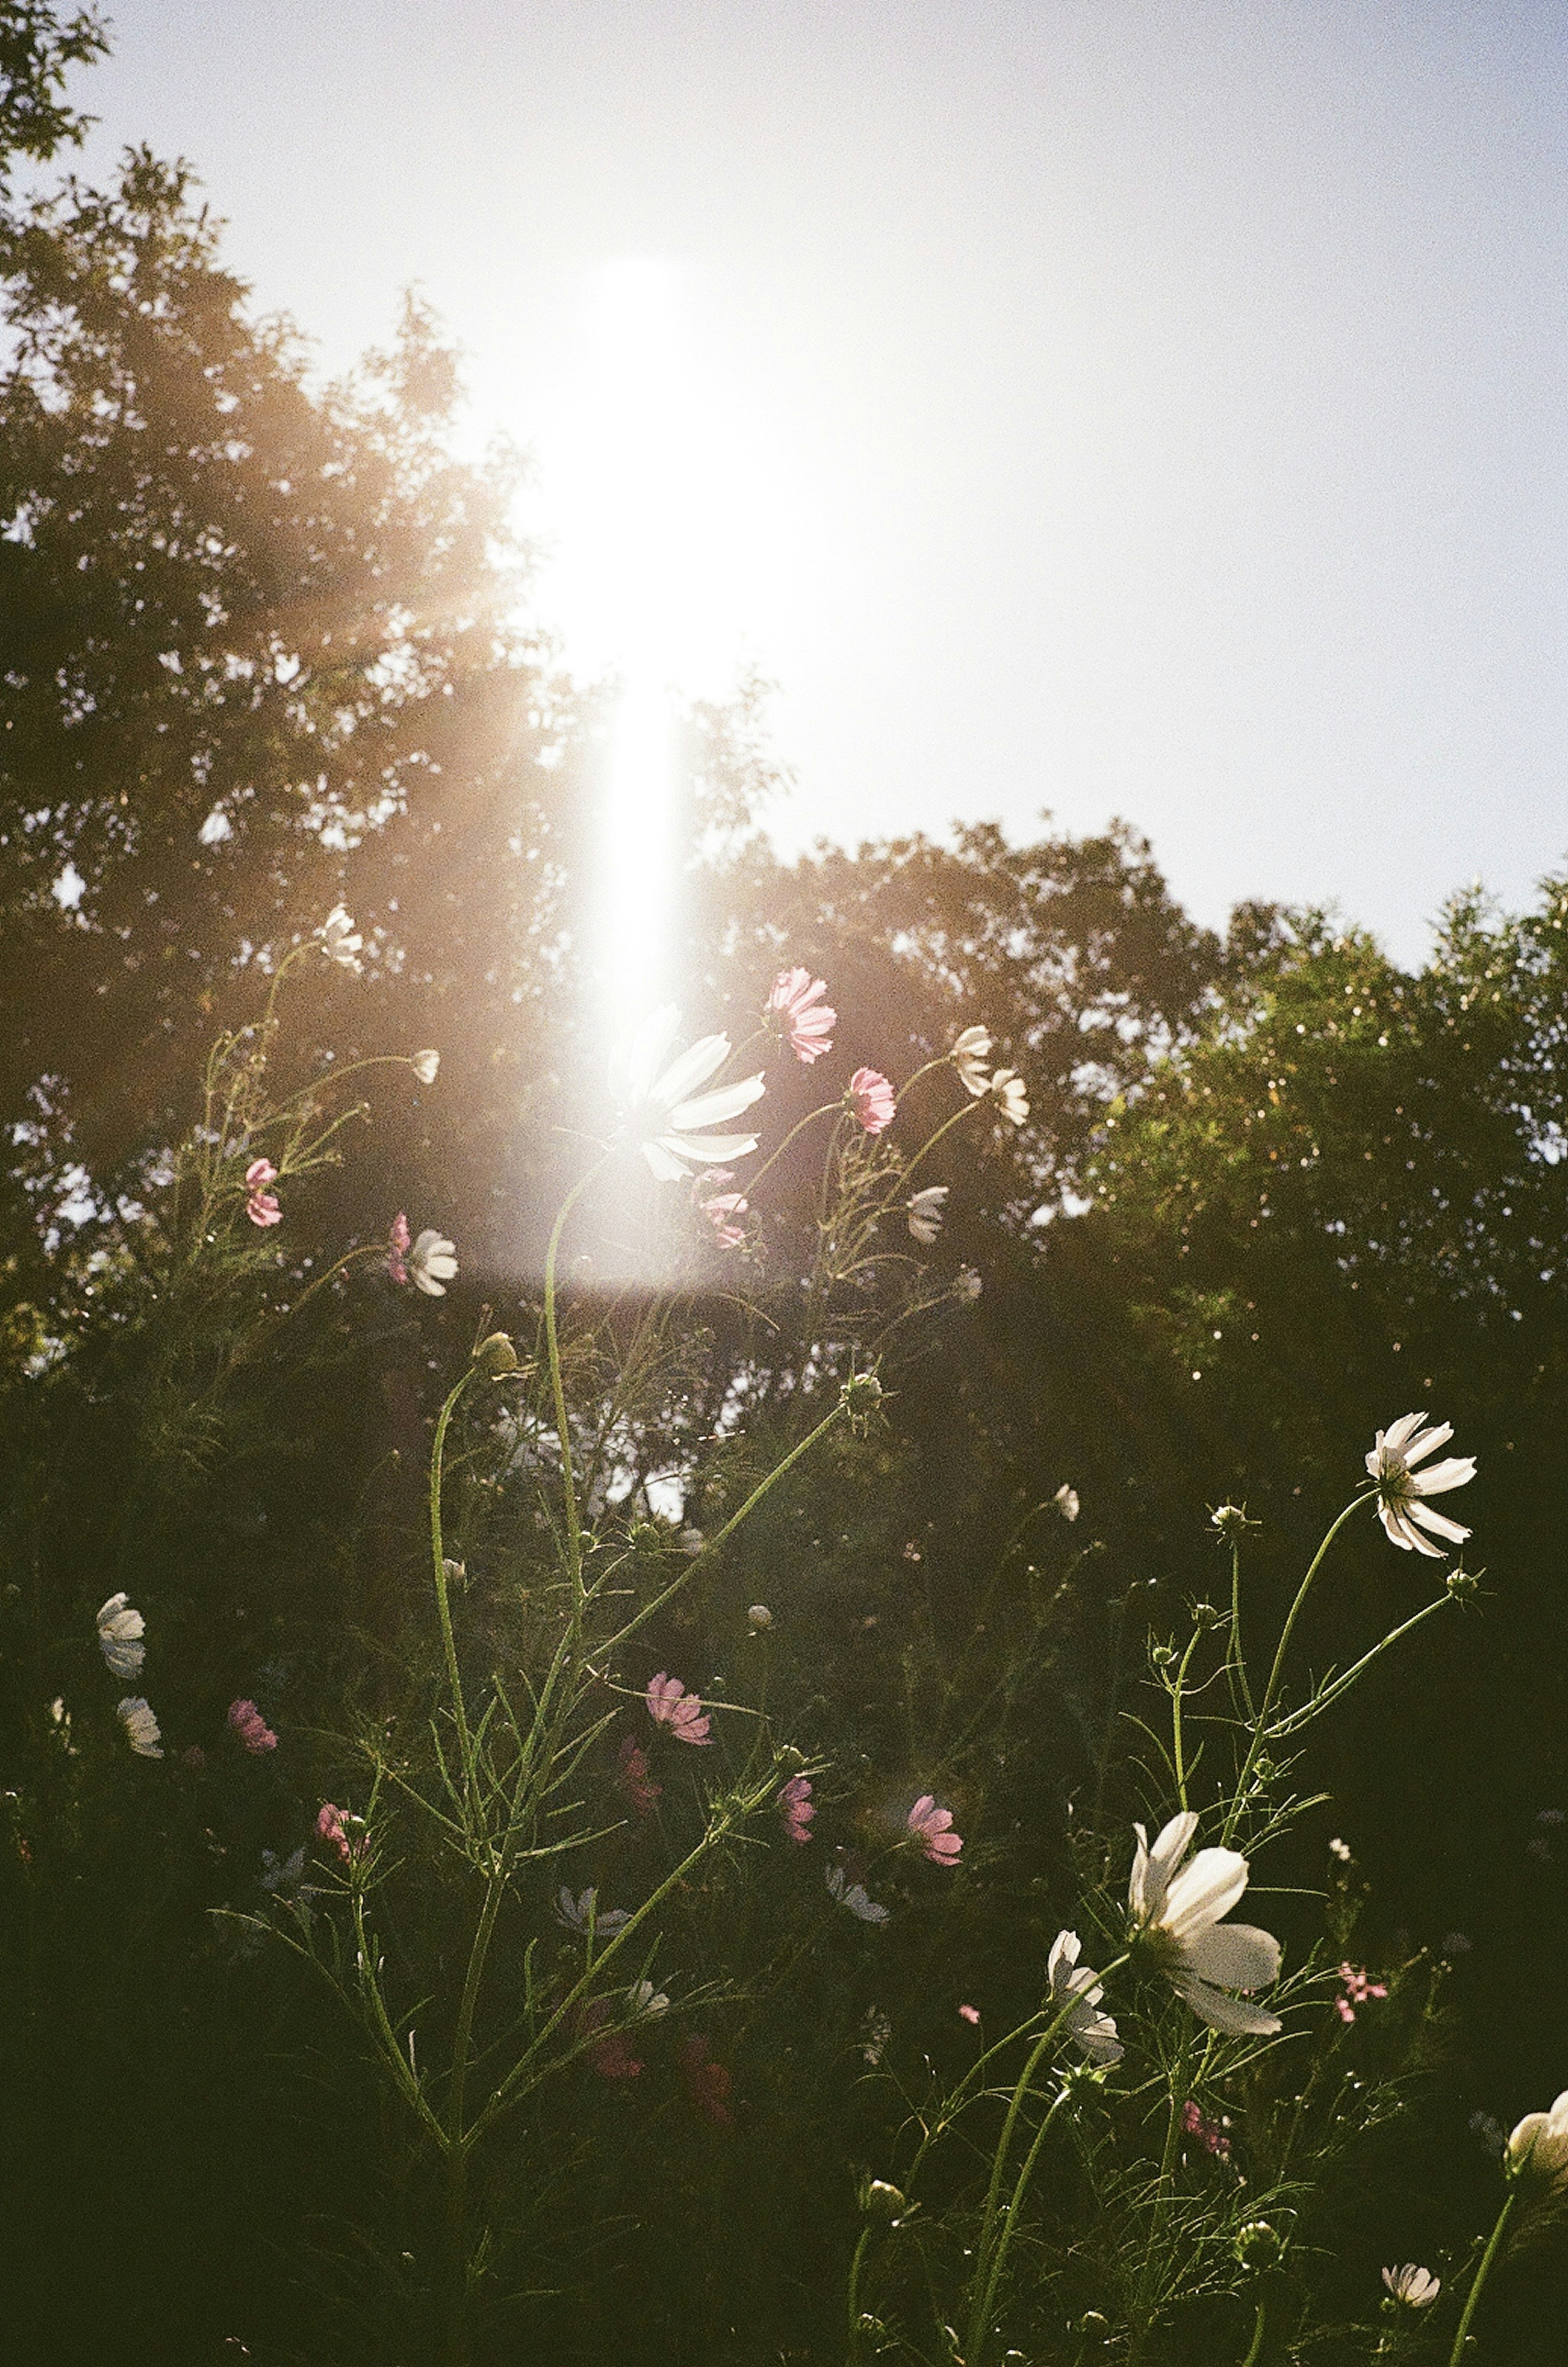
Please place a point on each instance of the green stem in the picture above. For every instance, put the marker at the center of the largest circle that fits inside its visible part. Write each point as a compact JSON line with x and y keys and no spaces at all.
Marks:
{"x":1255,"y":2348}
{"x":1332,"y":1691}
{"x":458,"y":2329}
{"x":1179,"y":2087}
{"x":855,"y":2297}
{"x":1457,"y":2354}
{"x":442,"y":1603}
{"x":981,"y":2327}
{"x":1235,"y":1657}
{"x":558,"y":1393}
{"x":1271,"y":1691}
{"x":932,"y":1140}
{"x":1178,"y":1761}
{"x":799,"y":1127}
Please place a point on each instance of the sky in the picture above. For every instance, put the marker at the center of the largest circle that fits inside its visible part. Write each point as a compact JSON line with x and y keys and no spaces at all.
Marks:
{"x":1100,"y":407}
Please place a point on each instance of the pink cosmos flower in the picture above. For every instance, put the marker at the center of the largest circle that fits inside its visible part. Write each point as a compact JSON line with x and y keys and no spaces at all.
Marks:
{"x":250,"y":1727}
{"x":1210,"y":2134}
{"x":872,"y":1099}
{"x":808,"y":1031}
{"x":610,"y":2056}
{"x":637,"y":1786}
{"x":721,"y":1208}
{"x":795,"y":1809}
{"x":1358,"y":1991}
{"x":971,"y":2015}
{"x":669,"y":1704}
{"x":707,"y":2083}
{"x":261,"y":1206}
{"x":931,"y":1826}
{"x":331,"y":1828}
{"x":398,"y":1241}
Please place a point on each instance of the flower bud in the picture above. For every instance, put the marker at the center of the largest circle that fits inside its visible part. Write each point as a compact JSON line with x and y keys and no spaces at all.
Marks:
{"x":862,"y":1394}
{"x":1162,"y":1655}
{"x":1461,"y":1585}
{"x":1257,"y":2246}
{"x":759,"y":1617}
{"x":1231,"y":1519}
{"x":456,"y":1573}
{"x":1205,"y":1616}
{"x":878,"y":2199}
{"x":496,"y":1356}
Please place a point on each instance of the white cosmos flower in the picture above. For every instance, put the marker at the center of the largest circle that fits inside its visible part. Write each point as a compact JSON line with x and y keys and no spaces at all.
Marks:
{"x":1539,"y":2145}
{"x":646,"y":2003}
{"x":1401,"y":1487}
{"x":1011,"y":1098}
{"x":121,"y":1630}
{"x":852,"y":1894}
{"x":672,"y":1119}
{"x":969,"y":1056}
{"x":582,"y":1914}
{"x":424,"y":1065}
{"x":341,"y":941}
{"x":1179,"y":1913}
{"x":926,"y":1212}
{"x":141,"y":1727}
{"x":433,"y":1262}
{"x":1416,"y":2288}
{"x":1095,"y":2032}
{"x":1065,"y":1499}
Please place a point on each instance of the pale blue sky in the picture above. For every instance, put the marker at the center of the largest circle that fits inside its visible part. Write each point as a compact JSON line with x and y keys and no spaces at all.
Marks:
{"x":1138,"y":407}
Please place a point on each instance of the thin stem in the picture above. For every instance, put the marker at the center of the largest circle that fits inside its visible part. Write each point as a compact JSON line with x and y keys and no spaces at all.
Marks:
{"x":1256,"y":1745}
{"x":799,"y":1127}
{"x":1178,"y":1761}
{"x":558,"y":1392}
{"x":1331,"y":1693}
{"x":1179,"y":2092}
{"x":854,"y":2296}
{"x":982,"y":2326}
{"x":1234,"y":1657}
{"x":1487,"y":2258}
{"x":932,"y":1140}
{"x":442,"y":1604}
{"x":1255,"y":2348}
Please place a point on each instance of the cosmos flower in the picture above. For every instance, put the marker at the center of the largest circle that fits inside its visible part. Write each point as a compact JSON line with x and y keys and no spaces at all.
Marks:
{"x":926,"y":1212}
{"x":853,"y":1895}
{"x":707,"y":2083}
{"x":1012,"y":1101}
{"x":252,"y":1727}
{"x":397,"y":1239}
{"x":1094,"y":2031}
{"x":340,"y":940}
{"x":424,"y":1065}
{"x":637,"y":1786}
{"x":1416,"y":2288}
{"x":795,"y":1809}
{"x":261,"y":1205}
{"x":141,"y":1727}
{"x":1065,"y":1499}
{"x":1177,"y":1909}
{"x":645,"y":2003}
{"x":808,"y":1030}
{"x":1341,"y":1850}
{"x":872,"y":1100}
{"x":933,"y":1827}
{"x":1539,"y":2145}
{"x":672,"y":1127}
{"x":971,"y":2015}
{"x":582,"y":1914}
{"x":669,"y":1704}
{"x":332,"y":1825}
{"x":1401,"y":1488}
{"x":966,"y":1283}
{"x":969,"y":1056}
{"x":757,"y":1617}
{"x":433,"y":1262}
{"x":720,"y":1208}
{"x":1210,"y":2134}
{"x":121,"y":1630}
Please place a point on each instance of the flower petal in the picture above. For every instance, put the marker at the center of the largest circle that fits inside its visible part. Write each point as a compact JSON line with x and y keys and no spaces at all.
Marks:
{"x":1457,"y":1471}
{"x":1426,"y":1443}
{"x":1203,"y":1891}
{"x":667,"y":1168}
{"x":1438,"y":1523}
{"x":1231,"y":2015}
{"x":1398,"y":1434}
{"x":1236,"y":1956}
{"x":706,"y":1150}
{"x":712,"y":1109}
{"x":693,"y":1067}
{"x":634,"y":1066}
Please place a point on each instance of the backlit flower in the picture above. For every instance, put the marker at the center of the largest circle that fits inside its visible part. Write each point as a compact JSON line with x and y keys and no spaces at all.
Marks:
{"x":795,"y":1809}
{"x":637,"y":1786}
{"x":261,"y":1205}
{"x":1416,"y":2288}
{"x":398,"y":1241}
{"x":141,"y":1727}
{"x":969,"y":1056}
{"x":1012,"y":1101}
{"x":252,"y":1727}
{"x":808,"y":1023}
{"x":1539,"y":2146}
{"x":669,"y":1704}
{"x":671,"y":1120}
{"x":332,"y":1825}
{"x":1177,"y":1909}
{"x":926,"y":1212}
{"x":1094,"y":2031}
{"x":582,"y":1914}
{"x":121,"y":1630}
{"x":341,"y":942}
{"x":433,"y":1262}
{"x":852,"y":1894}
{"x":872,"y":1100}
{"x":1065,"y":1499}
{"x":1401,"y":1488}
{"x":424,"y":1065}
{"x":933,"y":1827}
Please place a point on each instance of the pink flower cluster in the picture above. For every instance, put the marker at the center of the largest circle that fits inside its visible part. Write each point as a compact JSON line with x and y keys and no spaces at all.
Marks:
{"x":873,"y":1100}
{"x":795,"y":1809}
{"x":250,"y":1727}
{"x":398,"y":1241}
{"x":808,"y":1022}
{"x":669,"y":1704}
{"x":261,"y":1205}
{"x":721,"y":1208}
{"x":1210,"y":2134}
{"x":933,"y":1827}
{"x":1358,"y":1991}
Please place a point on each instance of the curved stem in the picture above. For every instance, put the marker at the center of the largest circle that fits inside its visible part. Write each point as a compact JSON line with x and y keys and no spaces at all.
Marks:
{"x":799,"y":1127}
{"x":1255,"y":2348}
{"x":981,"y":2326}
{"x":442,"y":1603}
{"x":854,"y":2296}
{"x":1272,"y":1690}
{"x":558,"y":1393}
{"x":1487,"y":2260}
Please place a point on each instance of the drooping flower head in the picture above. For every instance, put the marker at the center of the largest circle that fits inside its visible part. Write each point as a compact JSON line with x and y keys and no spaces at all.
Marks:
{"x":852,"y":1894}
{"x":1209,"y":2132}
{"x":671,"y":1121}
{"x":637,"y":1786}
{"x":933,"y":1827}
{"x":927,"y":1209}
{"x":332,"y":1825}
{"x":669,"y":1704}
{"x":432,"y":1263}
{"x":807,"y":1022}
{"x":425,"y":1065}
{"x":398,"y":1241}
{"x":872,"y":1100}
{"x":1006,"y":1087}
{"x":121,"y":1630}
{"x":339,"y":941}
{"x":1414,"y":2287}
{"x":795,"y":1809}
{"x":1402,"y":1490}
{"x":969,"y":1055}
{"x":1093,"y":2031}
{"x":141,"y":1732}
{"x":261,"y":1205}
{"x":1174,"y":1911}
{"x":584,"y":1915}
{"x":253,"y":1729}
{"x":1539,"y":2147}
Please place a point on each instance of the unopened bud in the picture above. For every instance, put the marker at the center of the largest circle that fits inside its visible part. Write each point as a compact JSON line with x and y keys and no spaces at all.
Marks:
{"x":496,"y":1356}
{"x":759,"y":1617}
{"x":1231,"y":1519}
{"x":1204,"y":1615}
{"x":1163,"y":1655}
{"x":1461,"y":1585}
{"x":878,"y":2199}
{"x":862,"y":1394}
{"x":455,"y":1573}
{"x":1257,"y":2246}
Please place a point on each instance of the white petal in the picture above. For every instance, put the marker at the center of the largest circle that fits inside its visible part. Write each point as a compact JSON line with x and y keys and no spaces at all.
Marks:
{"x":1231,"y":2015}
{"x":1097,"y":2038}
{"x":1064,"y":1955}
{"x":1203,"y":1891}
{"x":1428,"y":1442}
{"x":706,"y":1150}
{"x":693,"y":1067}
{"x":664,"y":1162}
{"x":712,"y":1109}
{"x":634,"y":1066}
{"x":1398,"y":1434}
{"x":1457,"y":1471}
{"x":1438,"y":1523}
{"x":1172,"y":1846}
{"x":1236,"y":1956}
